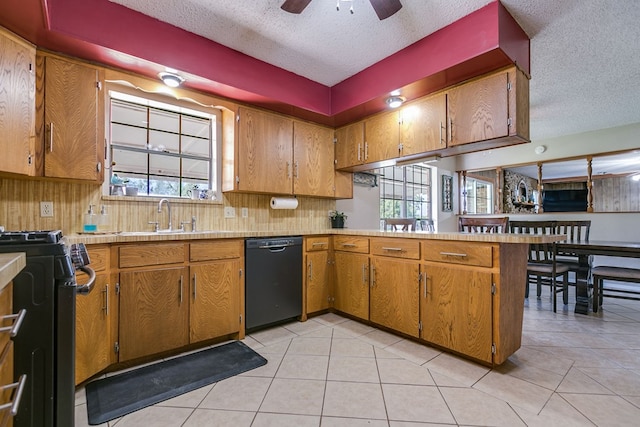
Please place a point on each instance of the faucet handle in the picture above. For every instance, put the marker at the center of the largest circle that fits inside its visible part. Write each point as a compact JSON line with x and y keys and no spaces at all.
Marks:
{"x":156,"y":226}
{"x":182,"y":223}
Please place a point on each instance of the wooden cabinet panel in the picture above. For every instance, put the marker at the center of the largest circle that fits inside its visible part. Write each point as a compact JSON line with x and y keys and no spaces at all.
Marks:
{"x":318,"y":280}
{"x":394,"y":295}
{"x":398,"y":248}
{"x":456,"y":310}
{"x":320,"y":243}
{"x":423,"y":125}
{"x":6,"y":354}
{"x":149,"y":255}
{"x":154,"y":311}
{"x":74,"y":122}
{"x":351,"y":244}
{"x":216,"y":249}
{"x":352,"y":284}
{"x":349,"y":145}
{"x":265,"y":152}
{"x":215,"y":300}
{"x":382,"y":136}
{"x":313,"y":155}
{"x":467,"y":253}
{"x":17,"y":104}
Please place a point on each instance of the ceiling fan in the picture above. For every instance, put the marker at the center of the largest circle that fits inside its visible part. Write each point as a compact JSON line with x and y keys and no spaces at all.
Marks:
{"x":383,"y":8}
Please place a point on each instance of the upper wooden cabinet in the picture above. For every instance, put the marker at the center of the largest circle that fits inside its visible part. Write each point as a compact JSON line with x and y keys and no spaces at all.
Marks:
{"x":313,"y":155}
{"x":423,"y":125}
{"x":491,"y":107}
{"x":382,"y":136}
{"x":17,"y":104}
{"x":71,"y":127}
{"x":350,"y":148}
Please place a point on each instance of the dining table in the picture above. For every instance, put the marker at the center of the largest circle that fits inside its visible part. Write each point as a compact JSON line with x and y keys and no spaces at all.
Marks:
{"x":586,"y":250}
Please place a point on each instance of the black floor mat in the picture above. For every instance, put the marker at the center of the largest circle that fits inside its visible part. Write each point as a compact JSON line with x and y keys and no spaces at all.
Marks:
{"x":115,"y":396}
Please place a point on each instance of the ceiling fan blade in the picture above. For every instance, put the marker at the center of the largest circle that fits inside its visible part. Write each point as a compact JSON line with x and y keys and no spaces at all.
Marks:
{"x":295,"y":6}
{"x":385,"y":8}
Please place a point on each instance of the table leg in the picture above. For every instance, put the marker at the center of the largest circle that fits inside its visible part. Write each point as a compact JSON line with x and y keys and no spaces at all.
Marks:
{"x":583,"y":278}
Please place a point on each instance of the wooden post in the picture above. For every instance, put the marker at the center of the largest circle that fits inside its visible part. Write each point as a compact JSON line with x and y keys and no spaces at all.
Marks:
{"x":540,"y":188}
{"x":464,"y":192}
{"x":589,"y":184}
{"x":499,"y":204}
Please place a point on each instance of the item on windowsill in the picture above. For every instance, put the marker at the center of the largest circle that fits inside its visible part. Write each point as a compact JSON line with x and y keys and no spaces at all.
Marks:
{"x":337,"y":219}
{"x":90,"y":223}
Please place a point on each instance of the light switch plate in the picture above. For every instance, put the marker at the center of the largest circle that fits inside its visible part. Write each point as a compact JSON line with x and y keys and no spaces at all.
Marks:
{"x":244,"y":212}
{"x":229,"y":212}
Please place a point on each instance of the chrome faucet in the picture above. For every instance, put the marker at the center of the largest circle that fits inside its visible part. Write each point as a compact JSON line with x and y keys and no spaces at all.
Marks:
{"x":168,"y":210}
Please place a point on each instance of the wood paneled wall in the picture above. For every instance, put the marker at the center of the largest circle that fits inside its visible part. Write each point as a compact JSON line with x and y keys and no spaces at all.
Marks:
{"x":20,"y":210}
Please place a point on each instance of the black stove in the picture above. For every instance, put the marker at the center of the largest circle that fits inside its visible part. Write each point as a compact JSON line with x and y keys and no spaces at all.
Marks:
{"x":18,"y":237}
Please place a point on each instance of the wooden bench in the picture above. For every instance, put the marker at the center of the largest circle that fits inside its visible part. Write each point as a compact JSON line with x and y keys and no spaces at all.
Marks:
{"x":621,"y":274}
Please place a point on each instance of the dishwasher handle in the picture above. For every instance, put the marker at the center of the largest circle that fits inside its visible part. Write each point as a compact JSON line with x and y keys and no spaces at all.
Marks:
{"x":276,"y":248}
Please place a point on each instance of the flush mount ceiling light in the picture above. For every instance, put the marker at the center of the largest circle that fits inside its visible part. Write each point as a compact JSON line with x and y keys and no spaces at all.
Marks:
{"x":394,"y":101}
{"x":171,"y":79}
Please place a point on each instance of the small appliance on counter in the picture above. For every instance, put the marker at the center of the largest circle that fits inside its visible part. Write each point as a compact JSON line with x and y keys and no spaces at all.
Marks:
{"x":44,"y":349}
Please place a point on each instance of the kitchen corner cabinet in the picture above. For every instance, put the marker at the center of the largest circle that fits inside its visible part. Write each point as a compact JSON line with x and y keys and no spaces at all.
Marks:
{"x":70,"y":118}
{"x":490,"y":107}
{"x":94,"y":314}
{"x":313,"y":160}
{"x":351,"y":288}
{"x":317,"y":275}
{"x":217,"y":280}
{"x":17,"y":104}
{"x":395,"y":278}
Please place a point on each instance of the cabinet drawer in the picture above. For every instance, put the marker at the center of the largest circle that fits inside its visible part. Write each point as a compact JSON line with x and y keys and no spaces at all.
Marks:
{"x":316,"y":243}
{"x":138,"y":256}
{"x":351,"y":244}
{"x":220,"y":249}
{"x":467,"y":253}
{"x":99,"y":257}
{"x":398,"y":248}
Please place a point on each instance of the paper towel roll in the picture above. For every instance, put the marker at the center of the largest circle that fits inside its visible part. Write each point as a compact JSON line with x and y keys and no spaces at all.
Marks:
{"x":284,"y":203}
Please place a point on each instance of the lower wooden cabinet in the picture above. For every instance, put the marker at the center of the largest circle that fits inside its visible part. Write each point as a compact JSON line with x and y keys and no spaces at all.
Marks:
{"x":352,"y":284}
{"x":317,"y":274}
{"x":6,"y":355}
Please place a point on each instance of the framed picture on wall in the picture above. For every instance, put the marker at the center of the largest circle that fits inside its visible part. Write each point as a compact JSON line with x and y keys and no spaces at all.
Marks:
{"x":447,"y":193}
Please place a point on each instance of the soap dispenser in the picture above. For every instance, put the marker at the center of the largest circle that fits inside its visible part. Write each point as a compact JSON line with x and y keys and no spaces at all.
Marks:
{"x":103,"y":220}
{"x":90,"y":224}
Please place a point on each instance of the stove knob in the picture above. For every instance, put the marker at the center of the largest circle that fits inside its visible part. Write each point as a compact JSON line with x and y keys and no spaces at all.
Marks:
{"x":79,"y":255}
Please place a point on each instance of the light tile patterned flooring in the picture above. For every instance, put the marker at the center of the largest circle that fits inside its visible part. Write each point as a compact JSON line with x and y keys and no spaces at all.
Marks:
{"x":572,"y":370}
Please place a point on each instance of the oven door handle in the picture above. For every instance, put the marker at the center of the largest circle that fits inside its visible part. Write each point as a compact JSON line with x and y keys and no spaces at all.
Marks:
{"x":87,"y":287}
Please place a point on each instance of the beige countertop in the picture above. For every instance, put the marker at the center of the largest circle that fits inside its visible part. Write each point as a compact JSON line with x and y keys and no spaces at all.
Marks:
{"x":10,"y":266}
{"x":126,"y":237}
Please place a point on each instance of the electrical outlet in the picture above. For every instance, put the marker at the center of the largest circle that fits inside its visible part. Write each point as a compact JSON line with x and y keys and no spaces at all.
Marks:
{"x":46,"y":209}
{"x":229,"y":212}
{"x":244,"y":212}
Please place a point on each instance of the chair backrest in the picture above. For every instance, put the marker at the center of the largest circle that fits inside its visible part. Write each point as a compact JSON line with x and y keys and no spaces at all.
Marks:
{"x":402,"y":224}
{"x":576,"y":231}
{"x":426,"y":225}
{"x":532,"y":227}
{"x":483,"y":224}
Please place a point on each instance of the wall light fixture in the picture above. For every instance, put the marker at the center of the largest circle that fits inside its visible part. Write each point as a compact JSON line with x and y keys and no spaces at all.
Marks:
{"x":395,"y":101}
{"x":171,"y":79}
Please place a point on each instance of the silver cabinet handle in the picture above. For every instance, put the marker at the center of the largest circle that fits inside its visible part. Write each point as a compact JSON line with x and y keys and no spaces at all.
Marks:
{"x":364,"y":274}
{"x":318,"y":244}
{"x":181,"y":279}
{"x":366,"y":151}
{"x":373,"y":276}
{"x":195,"y":285}
{"x":19,"y":386}
{"x":460,"y":255}
{"x":450,"y":130}
{"x":348,"y":245}
{"x":295,"y":169}
{"x":13,"y":329}
{"x":106,"y":299}
{"x":359,"y":148}
{"x":393,"y":249}
{"x":51,"y":137}
{"x":310,"y":270}
{"x":424,"y":279}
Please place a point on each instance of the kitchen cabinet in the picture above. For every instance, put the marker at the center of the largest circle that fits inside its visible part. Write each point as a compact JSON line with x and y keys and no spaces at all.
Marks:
{"x":423,"y":125}
{"x":394,"y":294}
{"x":382,"y":135}
{"x":351,"y":288}
{"x":494,"y":106}
{"x":70,"y":118}
{"x":350,"y":146}
{"x":17,"y":104}
{"x":216,"y":288}
{"x":313,"y":155}
{"x":6,"y":354}
{"x":317,"y":275}
{"x":94,"y":313}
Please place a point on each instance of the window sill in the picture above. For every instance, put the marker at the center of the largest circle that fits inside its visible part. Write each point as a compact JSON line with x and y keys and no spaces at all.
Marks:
{"x":156,"y":199}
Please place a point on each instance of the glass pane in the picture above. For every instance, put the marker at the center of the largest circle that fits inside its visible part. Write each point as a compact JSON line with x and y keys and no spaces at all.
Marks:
{"x":163,"y":186}
{"x":164,"y":120}
{"x":196,"y":146}
{"x":129,"y":161}
{"x":138,"y":181}
{"x":164,"y":165}
{"x":123,"y":112}
{"x":163,"y":141}
{"x":195,"y":127}
{"x":195,"y":169}
{"x":129,"y":136}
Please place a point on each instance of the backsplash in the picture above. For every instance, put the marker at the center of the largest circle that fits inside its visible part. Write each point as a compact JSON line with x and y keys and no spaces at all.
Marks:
{"x":20,"y":210}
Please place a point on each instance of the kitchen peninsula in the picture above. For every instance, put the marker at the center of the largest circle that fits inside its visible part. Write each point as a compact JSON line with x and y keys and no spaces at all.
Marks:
{"x":461,"y":292}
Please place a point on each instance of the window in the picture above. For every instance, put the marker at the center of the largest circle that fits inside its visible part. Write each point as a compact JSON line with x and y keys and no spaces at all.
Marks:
{"x":405,"y":192}
{"x":479,"y":196}
{"x":162,"y":149}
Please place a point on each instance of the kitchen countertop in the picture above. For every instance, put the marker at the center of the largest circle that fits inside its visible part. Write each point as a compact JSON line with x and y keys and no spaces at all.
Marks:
{"x":10,"y":266}
{"x":126,"y":237}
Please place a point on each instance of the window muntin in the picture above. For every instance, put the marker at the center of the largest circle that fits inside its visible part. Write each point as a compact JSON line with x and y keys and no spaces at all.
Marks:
{"x":405,"y":192}
{"x":163,"y":149}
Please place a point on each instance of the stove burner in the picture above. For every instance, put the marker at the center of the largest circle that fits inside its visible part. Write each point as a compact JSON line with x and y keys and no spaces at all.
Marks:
{"x":17,"y":237}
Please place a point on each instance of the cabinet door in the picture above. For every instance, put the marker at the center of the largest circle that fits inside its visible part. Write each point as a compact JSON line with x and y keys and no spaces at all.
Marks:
{"x":317,"y":281}
{"x":394,"y":297}
{"x":74,"y":142}
{"x":456,"y":310}
{"x":154,"y":311}
{"x":382,"y":137}
{"x":350,"y":145}
{"x":94,"y":345}
{"x":265,"y":152}
{"x":17,"y":104}
{"x":479,"y":110}
{"x":352,"y":284}
{"x":423,"y":125}
{"x":313,"y":155}
{"x":215,"y":299}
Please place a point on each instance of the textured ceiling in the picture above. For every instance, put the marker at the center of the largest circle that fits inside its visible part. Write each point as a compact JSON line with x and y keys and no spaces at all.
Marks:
{"x":585,"y":54}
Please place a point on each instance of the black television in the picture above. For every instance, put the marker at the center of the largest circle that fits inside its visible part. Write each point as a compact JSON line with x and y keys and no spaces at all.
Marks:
{"x":564,"y":200}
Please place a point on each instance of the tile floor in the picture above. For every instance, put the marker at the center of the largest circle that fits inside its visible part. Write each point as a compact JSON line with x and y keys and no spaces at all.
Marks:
{"x":572,"y":370}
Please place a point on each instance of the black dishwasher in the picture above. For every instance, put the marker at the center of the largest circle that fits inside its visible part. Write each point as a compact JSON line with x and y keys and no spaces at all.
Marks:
{"x":273,"y":282}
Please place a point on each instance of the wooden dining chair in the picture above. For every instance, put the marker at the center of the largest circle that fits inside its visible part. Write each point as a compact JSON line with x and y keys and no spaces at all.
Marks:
{"x":483,"y":224}
{"x":400,"y":224}
{"x":426,"y":225}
